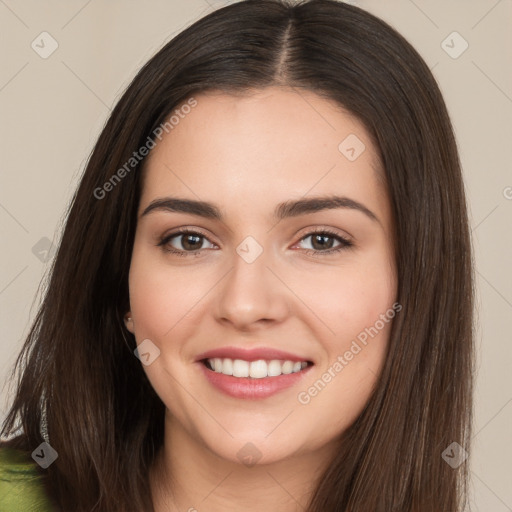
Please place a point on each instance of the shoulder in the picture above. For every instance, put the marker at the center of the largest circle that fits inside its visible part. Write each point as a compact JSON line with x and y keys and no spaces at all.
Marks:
{"x":21,"y":483}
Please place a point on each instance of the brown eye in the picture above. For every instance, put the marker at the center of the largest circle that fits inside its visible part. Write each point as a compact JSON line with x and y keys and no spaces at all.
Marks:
{"x":183,"y":242}
{"x":190,"y":242}
{"x":323,"y":242}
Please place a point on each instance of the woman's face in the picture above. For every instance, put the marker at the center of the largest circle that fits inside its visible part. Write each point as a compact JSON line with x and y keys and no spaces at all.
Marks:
{"x":258,"y":273}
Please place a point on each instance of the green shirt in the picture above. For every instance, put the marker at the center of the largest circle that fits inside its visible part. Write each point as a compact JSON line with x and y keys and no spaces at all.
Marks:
{"x":21,"y":487}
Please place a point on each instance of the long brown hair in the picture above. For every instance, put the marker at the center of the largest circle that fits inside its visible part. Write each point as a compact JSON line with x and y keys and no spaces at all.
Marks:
{"x":77,"y":374}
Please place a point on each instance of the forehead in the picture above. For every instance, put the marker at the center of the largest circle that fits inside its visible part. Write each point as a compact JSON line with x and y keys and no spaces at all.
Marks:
{"x":264,"y":146}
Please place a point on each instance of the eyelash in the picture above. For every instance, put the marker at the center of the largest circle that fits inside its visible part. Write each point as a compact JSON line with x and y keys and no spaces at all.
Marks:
{"x":345,"y":244}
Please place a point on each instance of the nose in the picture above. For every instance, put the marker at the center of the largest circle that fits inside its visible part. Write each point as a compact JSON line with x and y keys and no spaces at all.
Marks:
{"x":252,"y":295}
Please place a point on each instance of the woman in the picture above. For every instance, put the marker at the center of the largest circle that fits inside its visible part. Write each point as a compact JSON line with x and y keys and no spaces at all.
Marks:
{"x":263,"y":295}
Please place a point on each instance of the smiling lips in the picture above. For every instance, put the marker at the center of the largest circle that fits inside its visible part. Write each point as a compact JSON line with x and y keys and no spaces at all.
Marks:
{"x":254,"y":373}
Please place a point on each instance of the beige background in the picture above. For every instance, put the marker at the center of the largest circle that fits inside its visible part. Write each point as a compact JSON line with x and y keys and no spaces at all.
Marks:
{"x":53,"y":109}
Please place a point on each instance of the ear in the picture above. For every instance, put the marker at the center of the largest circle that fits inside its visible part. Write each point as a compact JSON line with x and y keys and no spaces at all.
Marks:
{"x":128,"y":322}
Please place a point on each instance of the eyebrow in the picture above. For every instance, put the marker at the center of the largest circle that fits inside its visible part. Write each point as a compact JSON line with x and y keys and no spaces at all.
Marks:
{"x":292,"y":208}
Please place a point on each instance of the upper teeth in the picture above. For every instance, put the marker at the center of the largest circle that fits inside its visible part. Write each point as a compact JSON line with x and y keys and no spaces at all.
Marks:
{"x":255,"y":369}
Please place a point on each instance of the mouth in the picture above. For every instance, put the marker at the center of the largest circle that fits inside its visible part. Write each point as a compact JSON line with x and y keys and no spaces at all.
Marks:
{"x":253,"y":380}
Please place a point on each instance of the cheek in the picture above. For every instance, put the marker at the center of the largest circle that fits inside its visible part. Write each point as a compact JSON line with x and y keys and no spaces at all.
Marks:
{"x":366,"y":297}
{"x":361,"y":316}
{"x":349,"y":299}
{"x":159,"y":296}
{"x":160,"y":299}
{"x":355,"y":303}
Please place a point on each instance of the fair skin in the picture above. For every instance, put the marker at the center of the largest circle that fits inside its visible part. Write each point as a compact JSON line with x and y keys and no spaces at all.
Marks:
{"x":246,"y":154}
